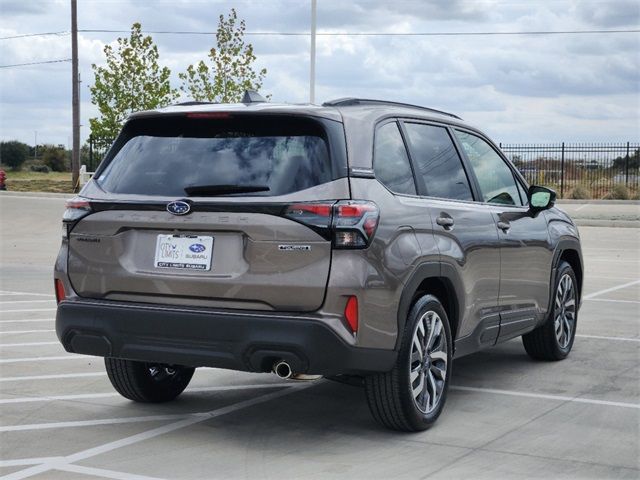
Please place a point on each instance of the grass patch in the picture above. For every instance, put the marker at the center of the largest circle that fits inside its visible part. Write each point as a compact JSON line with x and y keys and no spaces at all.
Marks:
{"x":27,"y":181}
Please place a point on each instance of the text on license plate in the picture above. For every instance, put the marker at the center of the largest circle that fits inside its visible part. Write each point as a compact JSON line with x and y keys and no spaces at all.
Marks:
{"x":191,"y":252}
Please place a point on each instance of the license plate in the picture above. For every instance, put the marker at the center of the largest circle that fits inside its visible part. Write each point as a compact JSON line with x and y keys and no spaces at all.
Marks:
{"x":189,"y":252}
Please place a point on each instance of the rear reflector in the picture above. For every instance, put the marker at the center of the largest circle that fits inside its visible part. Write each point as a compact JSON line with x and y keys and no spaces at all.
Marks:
{"x":351,"y":313}
{"x":60,"y":293}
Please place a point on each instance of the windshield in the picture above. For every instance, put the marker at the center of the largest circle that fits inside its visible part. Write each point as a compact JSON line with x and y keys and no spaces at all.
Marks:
{"x":165,"y":156}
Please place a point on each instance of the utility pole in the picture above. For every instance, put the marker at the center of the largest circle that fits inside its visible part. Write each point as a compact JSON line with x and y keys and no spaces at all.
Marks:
{"x":75,"y":97}
{"x":312,"y":68}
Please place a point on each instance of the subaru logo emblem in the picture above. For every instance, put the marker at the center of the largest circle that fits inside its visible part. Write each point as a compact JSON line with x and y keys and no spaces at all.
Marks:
{"x":197,"y":248}
{"x":178,"y":208}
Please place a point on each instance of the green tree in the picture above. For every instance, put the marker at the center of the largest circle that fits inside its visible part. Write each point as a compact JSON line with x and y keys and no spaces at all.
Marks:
{"x":13,"y":154}
{"x":55,"y":157}
{"x":230,"y":70}
{"x":132,"y":80}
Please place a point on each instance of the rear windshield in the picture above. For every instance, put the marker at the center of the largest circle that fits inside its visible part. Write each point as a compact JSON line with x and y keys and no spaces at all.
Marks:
{"x":234,"y":155}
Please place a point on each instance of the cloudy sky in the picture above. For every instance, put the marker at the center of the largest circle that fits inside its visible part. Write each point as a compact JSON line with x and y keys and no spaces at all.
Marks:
{"x":525,"y":88}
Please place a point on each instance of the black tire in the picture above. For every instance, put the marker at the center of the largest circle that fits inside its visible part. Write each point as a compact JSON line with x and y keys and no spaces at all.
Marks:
{"x":543,"y":343}
{"x":147,"y":382}
{"x":390,"y":395}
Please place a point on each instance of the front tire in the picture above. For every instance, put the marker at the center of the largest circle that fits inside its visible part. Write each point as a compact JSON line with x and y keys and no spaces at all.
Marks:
{"x":553,"y":339}
{"x":412,"y":395}
{"x":147,"y":382}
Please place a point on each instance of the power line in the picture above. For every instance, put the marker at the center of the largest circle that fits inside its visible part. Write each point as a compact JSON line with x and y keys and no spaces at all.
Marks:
{"x":35,"y":63}
{"x":376,"y":34}
{"x":25,"y":35}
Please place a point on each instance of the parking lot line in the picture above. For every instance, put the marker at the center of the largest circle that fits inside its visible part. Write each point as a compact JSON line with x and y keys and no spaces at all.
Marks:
{"x":612,"y":289}
{"x":621,"y":339}
{"x":27,"y":301}
{"x":27,"y":461}
{"x":101,"y":472}
{"x":88,"y":396}
{"x":28,"y":344}
{"x":561,"y":398}
{"x":28,"y":320}
{"x":5,"y":292}
{"x":16,"y":332}
{"x":149,"y":434}
{"x":610,"y":300}
{"x":29,"y":310}
{"x":29,"y":378}
{"x":46,"y":359}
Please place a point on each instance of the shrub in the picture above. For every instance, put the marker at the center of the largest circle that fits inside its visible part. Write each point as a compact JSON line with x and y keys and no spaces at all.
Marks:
{"x":580,"y":192}
{"x":55,"y":158}
{"x":40,"y":168}
{"x":619,"y":192}
{"x":13,"y":154}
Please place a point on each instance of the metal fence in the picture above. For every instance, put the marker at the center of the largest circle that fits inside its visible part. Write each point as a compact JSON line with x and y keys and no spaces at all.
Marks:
{"x":579,"y":169}
{"x":591,"y":170}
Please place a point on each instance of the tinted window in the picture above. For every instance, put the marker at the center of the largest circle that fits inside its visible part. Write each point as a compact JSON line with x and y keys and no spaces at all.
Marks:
{"x":437,"y":161}
{"x":165,"y":156}
{"x":390,"y":160}
{"x":494,"y":176}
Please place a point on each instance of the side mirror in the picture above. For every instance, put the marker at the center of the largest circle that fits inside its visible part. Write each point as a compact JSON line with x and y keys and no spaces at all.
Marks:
{"x":541,"y":198}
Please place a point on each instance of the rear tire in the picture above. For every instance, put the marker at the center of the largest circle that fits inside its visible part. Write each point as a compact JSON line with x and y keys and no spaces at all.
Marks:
{"x":412,"y":395}
{"x":147,"y":382}
{"x":553,"y":339}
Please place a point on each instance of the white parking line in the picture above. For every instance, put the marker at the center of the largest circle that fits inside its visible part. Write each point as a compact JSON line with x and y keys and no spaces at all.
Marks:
{"x":612,"y":289}
{"x":28,"y":344}
{"x":5,"y":292}
{"x":27,"y":461}
{"x":29,"y":310}
{"x":547,"y":397}
{"x":30,"y":378}
{"x":621,"y":339}
{"x":88,"y":396}
{"x":101,"y":472}
{"x":610,"y":300}
{"x":149,"y":434}
{"x":45,"y":359}
{"x":27,"y":301}
{"x":16,"y":332}
{"x":28,"y":320}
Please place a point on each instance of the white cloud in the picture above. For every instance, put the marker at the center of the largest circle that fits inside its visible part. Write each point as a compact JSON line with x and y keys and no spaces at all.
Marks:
{"x":523,"y":88}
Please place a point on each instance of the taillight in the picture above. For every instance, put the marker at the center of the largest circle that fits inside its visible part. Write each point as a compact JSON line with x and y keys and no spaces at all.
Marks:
{"x":348,"y":223}
{"x":354,"y":223}
{"x":60,"y":293}
{"x":351,"y":313}
{"x":75,"y":209}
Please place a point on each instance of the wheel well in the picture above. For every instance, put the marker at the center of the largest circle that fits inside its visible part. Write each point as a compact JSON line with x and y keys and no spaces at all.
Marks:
{"x":443,"y":290}
{"x":573,"y":258}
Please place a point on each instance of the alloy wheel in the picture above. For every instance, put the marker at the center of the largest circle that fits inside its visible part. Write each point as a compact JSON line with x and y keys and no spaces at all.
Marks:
{"x":428,"y":362}
{"x":565,"y":311}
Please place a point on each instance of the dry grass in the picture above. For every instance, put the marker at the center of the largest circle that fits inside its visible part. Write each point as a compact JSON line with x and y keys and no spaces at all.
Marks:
{"x":27,"y":181}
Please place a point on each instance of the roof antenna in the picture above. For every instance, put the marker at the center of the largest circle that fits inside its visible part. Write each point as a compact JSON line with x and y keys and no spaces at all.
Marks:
{"x":251,"y":96}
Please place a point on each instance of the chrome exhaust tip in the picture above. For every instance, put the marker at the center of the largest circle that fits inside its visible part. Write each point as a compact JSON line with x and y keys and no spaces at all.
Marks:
{"x":282,"y":369}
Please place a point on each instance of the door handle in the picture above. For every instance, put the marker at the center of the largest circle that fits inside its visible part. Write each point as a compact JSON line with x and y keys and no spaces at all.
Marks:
{"x":504,"y":226}
{"x":445,"y":222}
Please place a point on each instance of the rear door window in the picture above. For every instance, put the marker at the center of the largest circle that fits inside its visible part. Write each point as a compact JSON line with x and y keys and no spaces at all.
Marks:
{"x":241,"y":155}
{"x":437,"y":162}
{"x":390,"y":161}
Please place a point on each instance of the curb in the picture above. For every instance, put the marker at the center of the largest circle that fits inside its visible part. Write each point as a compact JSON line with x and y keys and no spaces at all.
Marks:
{"x":598,"y":202}
{"x":588,"y":222}
{"x":37,"y":194}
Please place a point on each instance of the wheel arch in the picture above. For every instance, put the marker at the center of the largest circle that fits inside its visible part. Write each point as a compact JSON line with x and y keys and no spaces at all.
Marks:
{"x":439,"y":280}
{"x":567,"y":249}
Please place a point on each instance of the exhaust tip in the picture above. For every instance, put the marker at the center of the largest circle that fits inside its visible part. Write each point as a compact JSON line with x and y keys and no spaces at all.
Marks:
{"x":282,"y":369}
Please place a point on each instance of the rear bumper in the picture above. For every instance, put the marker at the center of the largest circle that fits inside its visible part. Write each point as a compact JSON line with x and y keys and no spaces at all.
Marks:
{"x":237,"y":340}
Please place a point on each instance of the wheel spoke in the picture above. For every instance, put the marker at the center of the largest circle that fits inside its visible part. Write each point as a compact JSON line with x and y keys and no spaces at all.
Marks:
{"x":433,"y":390}
{"x":441,"y":373}
{"x":417,"y":390}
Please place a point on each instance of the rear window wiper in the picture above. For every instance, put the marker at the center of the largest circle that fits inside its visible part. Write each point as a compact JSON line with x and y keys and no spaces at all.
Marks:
{"x":213,"y":190}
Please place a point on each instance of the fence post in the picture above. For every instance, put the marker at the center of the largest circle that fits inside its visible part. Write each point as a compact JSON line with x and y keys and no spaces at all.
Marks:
{"x":91,"y":151}
{"x":626,"y":168}
{"x":562,"y":173}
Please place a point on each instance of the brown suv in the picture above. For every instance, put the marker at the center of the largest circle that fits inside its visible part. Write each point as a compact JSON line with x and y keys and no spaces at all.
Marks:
{"x":358,"y":238}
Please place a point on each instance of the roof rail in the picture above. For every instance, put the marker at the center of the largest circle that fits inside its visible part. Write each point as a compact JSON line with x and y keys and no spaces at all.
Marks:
{"x":344,"y":102}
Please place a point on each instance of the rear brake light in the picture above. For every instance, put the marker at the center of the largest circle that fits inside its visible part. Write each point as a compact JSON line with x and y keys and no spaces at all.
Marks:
{"x":76,"y":208}
{"x":349,"y":223}
{"x":208,"y":115}
{"x":60,"y":293}
{"x":351,"y":313}
{"x":355,"y":223}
